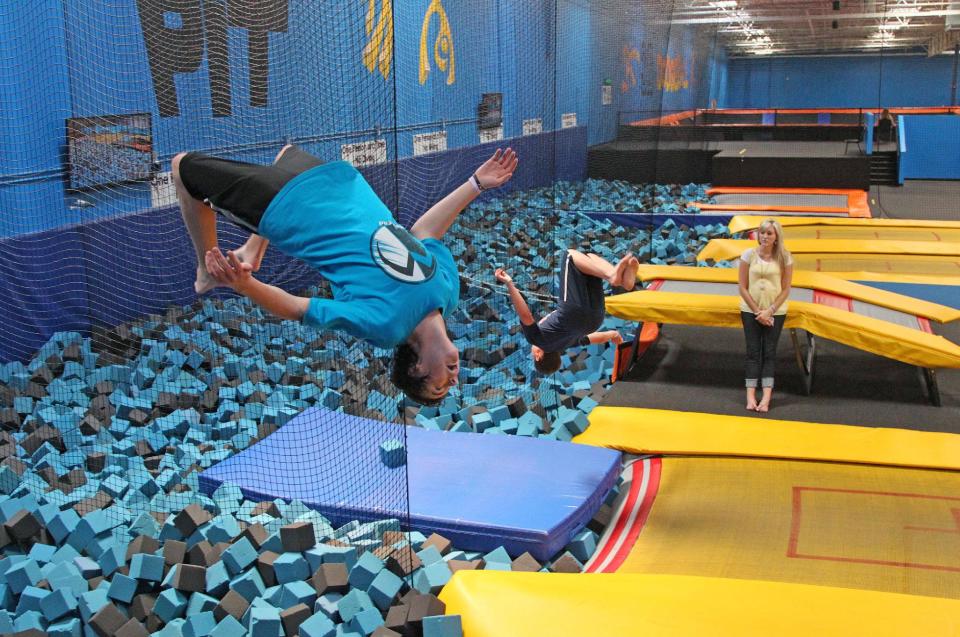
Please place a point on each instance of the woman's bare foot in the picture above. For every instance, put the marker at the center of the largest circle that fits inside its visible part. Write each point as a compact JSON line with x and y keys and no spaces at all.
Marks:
{"x":764,"y":405}
{"x":752,"y":405}
{"x":751,"y":399}
{"x":204,"y":282}
{"x":252,"y":252}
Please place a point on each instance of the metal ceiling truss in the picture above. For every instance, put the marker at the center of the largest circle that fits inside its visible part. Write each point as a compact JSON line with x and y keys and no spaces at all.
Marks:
{"x":798,"y":27}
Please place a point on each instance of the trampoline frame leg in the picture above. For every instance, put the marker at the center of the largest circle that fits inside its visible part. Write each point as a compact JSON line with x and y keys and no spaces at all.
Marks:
{"x":928,"y":377}
{"x":805,"y":361}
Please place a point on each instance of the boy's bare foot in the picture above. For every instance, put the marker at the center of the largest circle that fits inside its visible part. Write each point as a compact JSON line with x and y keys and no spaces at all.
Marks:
{"x":204,"y":282}
{"x":618,"y":269}
{"x":252,"y":255}
{"x":629,"y":280}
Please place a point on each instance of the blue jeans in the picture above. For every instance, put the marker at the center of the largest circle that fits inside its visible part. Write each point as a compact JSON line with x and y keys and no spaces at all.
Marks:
{"x":761,"y":348}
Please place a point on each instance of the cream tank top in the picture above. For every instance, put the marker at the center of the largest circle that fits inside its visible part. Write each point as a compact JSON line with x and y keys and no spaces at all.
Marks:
{"x":763,"y":283}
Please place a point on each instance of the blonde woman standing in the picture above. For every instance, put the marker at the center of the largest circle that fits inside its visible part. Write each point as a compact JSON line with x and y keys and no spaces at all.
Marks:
{"x":765,"y":275}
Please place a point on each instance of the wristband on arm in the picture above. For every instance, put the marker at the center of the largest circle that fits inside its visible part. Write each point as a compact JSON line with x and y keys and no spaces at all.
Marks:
{"x":475,"y":182}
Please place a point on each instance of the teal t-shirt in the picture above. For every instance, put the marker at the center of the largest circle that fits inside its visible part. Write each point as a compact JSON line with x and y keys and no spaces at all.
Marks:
{"x":384,"y":280}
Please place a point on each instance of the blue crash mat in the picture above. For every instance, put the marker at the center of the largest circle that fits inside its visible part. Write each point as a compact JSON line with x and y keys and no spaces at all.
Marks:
{"x":481,"y":491}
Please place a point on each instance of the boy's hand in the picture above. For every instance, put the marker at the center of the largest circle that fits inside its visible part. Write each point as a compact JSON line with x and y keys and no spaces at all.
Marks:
{"x":502,"y":276}
{"x":497,"y":170}
{"x":615,"y":337}
{"x":229,"y":270}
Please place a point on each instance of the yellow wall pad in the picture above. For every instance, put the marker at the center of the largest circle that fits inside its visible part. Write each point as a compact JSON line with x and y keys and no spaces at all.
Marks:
{"x":740,"y":223}
{"x":726,"y":249}
{"x":882,"y":529}
{"x":861,"y":332}
{"x":811,"y":281}
{"x":662,"y":431}
{"x":496,"y":603}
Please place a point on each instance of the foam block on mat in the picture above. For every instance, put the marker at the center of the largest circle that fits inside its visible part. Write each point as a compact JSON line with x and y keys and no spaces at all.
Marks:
{"x":479,"y":491}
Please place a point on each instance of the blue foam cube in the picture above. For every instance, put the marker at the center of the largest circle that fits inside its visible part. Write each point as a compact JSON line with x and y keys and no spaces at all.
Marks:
{"x":58,"y":603}
{"x":366,"y":621}
{"x":393,"y":454}
{"x":290,"y":567}
{"x":147,"y":567}
{"x":122,"y":588}
{"x":353,"y":603}
{"x":365,"y":570}
{"x":318,"y":625}
{"x":442,"y":626}
{"x":170,"y":604}
{"x":239,"y":556}
{"x":384,"y":588}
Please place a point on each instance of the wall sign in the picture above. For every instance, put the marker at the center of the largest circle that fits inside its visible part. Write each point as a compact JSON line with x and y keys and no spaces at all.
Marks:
{"x":201,"y":26}
{"x":532,"y":126}
{"x":568,"y":120}
{"x":491,"y":134}
{"x":426,"y":143}
{"x":162,"y":191}
{"x":365,"y":153}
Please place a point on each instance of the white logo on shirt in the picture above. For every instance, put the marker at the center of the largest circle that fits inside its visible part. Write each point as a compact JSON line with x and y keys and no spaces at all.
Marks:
{"x":401,"y":255}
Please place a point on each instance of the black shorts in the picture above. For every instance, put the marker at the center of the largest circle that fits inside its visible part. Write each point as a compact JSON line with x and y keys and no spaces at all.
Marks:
{"x":239,"y":190}
{"x":579,"y":289}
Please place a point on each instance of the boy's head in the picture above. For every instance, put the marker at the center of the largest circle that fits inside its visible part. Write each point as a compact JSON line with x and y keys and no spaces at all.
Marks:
{"x":426,"y":372}
{"x":545,"y":362}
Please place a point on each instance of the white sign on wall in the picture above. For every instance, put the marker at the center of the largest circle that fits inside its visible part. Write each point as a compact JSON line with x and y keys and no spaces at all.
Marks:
{"x":365,"y":153}
{"x":491,"y":134}
{"x":162,"y":191}
{"x":606,"y":95}
{"x":532,"y":126}
{"x":426,"y":143}
{"x":568,"y":120}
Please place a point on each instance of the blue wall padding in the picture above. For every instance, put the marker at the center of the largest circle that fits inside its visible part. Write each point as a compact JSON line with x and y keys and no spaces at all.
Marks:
{"x":839,"y":82}
{"x":948,"y":295}
{"x":477,"y":490}
{"x":656,"y":220}
{"x":43,"y":285}
{"x":932,"y":147}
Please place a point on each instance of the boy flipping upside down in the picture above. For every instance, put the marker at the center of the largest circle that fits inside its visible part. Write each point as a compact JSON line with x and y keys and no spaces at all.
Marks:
{"x":580,"y":308}
{"x":391,"y":287}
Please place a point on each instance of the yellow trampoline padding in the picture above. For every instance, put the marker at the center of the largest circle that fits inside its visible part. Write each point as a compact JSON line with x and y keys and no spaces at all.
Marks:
{"x":498,"y":603}
{"x":727,"y":249}
{"x":741,"y":223}
{"x":861,"y":332}
{"x":810,"y":281}
{"x":865,"y":527}
{"x":662,"y":431}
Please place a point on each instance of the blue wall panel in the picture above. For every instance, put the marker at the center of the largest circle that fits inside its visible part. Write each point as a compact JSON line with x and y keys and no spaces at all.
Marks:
{"x":849,"y":82}
{"x":933,"y":147}
{"x":43,"y":286}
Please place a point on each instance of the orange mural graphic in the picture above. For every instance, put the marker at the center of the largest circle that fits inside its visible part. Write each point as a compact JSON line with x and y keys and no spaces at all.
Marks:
{"x":671,"y":74}
{"x":630,"y":78}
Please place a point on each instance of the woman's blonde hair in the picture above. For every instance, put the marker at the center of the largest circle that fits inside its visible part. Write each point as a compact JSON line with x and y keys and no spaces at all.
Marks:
{"x":780,"y":252}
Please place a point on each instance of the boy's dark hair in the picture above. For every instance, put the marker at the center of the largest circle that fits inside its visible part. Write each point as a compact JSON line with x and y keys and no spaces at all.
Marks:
{"x":404,"y":360}
{"x":549,"y":363}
